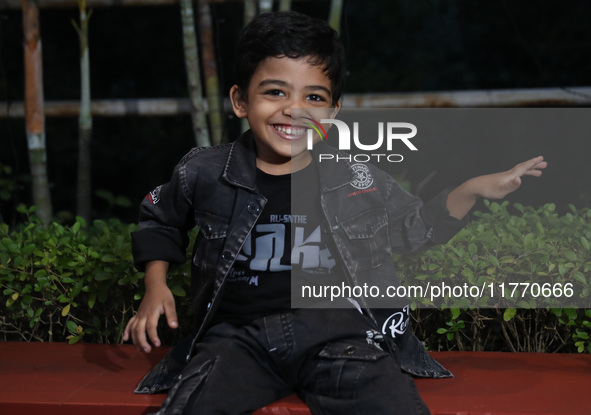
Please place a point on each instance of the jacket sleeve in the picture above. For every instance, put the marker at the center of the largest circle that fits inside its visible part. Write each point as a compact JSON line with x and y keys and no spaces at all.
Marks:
{"x":415,"y":225}
{"x":166,"y":215}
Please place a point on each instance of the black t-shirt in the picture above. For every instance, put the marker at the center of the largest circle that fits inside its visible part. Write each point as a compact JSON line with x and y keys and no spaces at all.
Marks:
{"x":286,"y":239}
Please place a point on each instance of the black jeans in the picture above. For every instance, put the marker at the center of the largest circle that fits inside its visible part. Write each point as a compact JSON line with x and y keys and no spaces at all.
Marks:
{"x":326,"y":356}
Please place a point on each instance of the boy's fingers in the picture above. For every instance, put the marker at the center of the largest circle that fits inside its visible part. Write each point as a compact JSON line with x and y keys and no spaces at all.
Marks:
{"x":536,"y":169}
{"x":531,"y":167}
{"x":128,"y":329}
{"x":533,"y":163}
{"x":171,"y":316}
{"x":152,"y":330}
{"x":139,"y":337}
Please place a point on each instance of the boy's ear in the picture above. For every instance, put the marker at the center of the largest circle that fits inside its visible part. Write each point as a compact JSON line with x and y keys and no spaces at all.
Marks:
{"x":335,"y":109}
{"x":239,"y":104}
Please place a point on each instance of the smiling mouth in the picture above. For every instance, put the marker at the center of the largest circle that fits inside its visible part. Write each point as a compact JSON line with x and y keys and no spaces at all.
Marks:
{"x":290,"y":132}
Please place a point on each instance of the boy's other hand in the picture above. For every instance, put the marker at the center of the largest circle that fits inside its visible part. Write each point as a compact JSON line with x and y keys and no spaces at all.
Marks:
{"x":499,"y":185}
{"x":157,"y":301}
{"x":491,"y":186}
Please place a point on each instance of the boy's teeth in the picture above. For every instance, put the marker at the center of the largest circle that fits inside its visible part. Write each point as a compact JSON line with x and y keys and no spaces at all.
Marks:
{"x":290,"y":130}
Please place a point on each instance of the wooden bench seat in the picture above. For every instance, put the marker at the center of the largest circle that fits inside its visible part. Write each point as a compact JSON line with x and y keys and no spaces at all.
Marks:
{"x":56,"y":378}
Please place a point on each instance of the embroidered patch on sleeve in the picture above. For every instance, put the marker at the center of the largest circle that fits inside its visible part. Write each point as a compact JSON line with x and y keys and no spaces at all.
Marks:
{"x":154,"y":196}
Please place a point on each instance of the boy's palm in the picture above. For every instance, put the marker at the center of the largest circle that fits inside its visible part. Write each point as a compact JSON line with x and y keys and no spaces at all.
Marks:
{"x":499,"y":185}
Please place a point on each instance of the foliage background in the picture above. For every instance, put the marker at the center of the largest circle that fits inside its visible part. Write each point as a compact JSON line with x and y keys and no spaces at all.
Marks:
{"x":73,"y":283}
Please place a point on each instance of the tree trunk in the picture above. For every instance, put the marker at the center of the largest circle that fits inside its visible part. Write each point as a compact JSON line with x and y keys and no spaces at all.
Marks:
{"x":84,"y":182}
{"x":212,"y":88}
{"x":35,"y":118}
{"x":193,"y":79}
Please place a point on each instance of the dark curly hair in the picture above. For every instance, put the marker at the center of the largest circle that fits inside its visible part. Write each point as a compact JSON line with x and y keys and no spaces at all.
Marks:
{"x":295,"y":36}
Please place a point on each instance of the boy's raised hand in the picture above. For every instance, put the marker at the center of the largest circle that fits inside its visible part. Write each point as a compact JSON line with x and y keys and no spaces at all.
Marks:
{"x":157,"y":301}
{"x":499,"y":185}
{"x":491,"y":186}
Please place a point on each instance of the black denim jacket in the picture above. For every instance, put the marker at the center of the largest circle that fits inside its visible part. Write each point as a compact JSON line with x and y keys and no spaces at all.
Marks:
{"x":215,"y":189}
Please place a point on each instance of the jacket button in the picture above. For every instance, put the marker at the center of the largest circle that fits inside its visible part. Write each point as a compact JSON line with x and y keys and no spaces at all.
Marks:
{"x":207,"y":230}
{"x":253,"y":208}
{"x":350,"y":350}
{"x":227,"y":255}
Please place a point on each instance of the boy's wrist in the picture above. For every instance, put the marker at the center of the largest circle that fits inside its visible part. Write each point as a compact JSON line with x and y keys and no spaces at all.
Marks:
{"x":156,"y":272}
{"x":472,"y":188}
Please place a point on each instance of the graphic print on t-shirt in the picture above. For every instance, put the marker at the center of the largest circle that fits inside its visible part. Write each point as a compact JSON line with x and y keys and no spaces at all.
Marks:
{"x":286,"y":241}
{"x":268,"y":252}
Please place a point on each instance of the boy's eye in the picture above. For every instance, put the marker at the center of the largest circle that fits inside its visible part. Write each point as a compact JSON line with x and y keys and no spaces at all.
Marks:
{"x":317,"y":98}
{"x":274,"y":92}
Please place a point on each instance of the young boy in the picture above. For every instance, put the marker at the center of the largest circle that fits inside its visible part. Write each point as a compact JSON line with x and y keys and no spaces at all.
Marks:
{"x":250,"y":348}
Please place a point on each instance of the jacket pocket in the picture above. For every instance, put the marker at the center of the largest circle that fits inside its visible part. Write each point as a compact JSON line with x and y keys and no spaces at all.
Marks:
{"x":367,"y":234}
{"x":209,"y":242}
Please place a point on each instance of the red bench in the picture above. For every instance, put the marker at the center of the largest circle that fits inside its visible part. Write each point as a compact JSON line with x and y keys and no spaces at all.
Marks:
{"x":56,"y":378}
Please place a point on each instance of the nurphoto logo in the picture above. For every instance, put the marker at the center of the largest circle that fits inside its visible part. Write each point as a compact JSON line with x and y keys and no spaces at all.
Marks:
{"x":388,"y":133}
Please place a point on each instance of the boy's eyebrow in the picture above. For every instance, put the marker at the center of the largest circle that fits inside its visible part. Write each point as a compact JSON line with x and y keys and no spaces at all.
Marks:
{"x":321,"y":87}
{"x":267,"y":82}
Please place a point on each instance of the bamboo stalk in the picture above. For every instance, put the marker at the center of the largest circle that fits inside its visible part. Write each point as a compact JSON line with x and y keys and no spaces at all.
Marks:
{"x":284,"y":5}
{"x":265,"y":6}
{"x":334,"y":16}
{"x":250,"y":11}
{"x":34,"y":115}
{"x":84,"y":178}
{"x":212,"y":88}
{"x":200,"y":128}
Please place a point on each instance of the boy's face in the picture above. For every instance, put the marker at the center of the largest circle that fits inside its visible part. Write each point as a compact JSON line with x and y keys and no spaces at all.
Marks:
{"x":277,"y":86}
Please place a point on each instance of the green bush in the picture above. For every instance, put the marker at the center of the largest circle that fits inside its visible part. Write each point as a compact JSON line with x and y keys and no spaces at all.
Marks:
{"x":532,"y":246}
{"x":66,"y":282}
{"x":77,"y":282}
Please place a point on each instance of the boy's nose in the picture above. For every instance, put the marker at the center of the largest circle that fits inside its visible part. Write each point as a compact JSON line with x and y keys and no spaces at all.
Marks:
{"x":287,"y":109}
{"x":293,"y":103}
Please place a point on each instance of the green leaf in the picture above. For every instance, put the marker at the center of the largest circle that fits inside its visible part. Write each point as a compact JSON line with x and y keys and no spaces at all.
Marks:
{"x":528,"y":241}
{"x":73,"y":339}
{"x":71,"y":326}
{"x":571,"y":313}
{"x":109,"y":258}
{"x":178,"y":290}
{"x":580,"y":277}
{"x":66,"y":310}
{"x":10,"y":301}
{"x":509,"y":314}
{"x":91,"y":300}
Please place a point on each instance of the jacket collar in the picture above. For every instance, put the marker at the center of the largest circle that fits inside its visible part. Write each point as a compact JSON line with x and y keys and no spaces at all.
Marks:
{"x":332,"y":174}
{"x":241,"y":165}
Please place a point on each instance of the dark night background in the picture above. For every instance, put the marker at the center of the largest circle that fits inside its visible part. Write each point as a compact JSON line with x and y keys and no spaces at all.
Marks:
{"x":393,"y":46}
